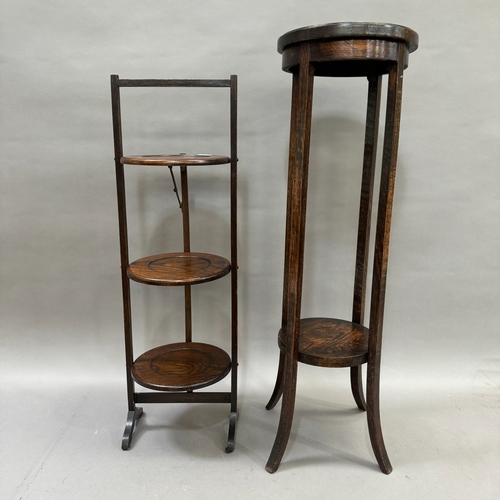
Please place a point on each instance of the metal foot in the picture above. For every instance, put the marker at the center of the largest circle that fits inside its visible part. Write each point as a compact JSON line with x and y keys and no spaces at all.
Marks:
{"x":132,"y":418}
{"x":233,"y":416}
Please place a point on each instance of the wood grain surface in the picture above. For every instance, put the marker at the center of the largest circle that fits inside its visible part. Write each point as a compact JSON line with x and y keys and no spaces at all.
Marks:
{"x":329,"y":342}
{"x":181,"y":366}
{"x":180,"y":268}
{"x":340,"y":49}
{"x":172,"y":160}
{"x":350,"y":30}
{"x":176,"y":370}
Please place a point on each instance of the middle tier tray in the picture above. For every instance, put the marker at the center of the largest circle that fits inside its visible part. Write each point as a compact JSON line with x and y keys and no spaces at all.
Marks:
{"x":181,"y":366}
{"x":181,"y":268}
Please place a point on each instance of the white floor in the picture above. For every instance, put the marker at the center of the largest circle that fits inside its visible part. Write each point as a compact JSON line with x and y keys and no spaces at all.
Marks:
{"x":62,"y":441}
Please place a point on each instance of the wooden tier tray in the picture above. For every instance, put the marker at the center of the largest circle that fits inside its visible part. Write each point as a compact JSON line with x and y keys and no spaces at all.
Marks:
{"x":181,"y":268}
{"x":180,"y":367}
{"x":175,"y":159}
{"x":330,"y":342}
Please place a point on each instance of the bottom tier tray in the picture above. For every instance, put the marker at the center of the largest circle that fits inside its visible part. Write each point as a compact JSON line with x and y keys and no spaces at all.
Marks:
{"x":330,"y":342}
{"x":180,"y":367}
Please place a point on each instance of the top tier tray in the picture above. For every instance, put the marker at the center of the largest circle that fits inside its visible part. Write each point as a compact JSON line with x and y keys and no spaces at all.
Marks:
{"x":175,"y":159}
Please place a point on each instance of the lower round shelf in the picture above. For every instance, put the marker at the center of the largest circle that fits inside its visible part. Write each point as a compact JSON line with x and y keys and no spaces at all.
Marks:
{"x":181,"y":366}
{"x":181,"y":268}
{"x":330,"y":342}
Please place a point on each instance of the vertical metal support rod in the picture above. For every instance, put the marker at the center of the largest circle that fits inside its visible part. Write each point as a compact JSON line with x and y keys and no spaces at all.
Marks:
{"x":187,"y":248}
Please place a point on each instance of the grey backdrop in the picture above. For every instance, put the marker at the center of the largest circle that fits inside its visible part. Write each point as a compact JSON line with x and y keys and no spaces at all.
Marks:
{"x":60,"y":299}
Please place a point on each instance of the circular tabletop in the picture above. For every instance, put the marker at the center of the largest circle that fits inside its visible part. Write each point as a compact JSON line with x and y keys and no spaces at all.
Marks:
{"x":183,"y":159}
{"x":347,"y":30}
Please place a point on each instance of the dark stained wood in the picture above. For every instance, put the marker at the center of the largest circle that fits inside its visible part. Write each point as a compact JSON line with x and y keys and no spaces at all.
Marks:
{"x":179,"y":268}
{"x":172,"y":83}
{"x":181,"y":366}
{"x":187,"y":248}
{"x":185,"y":268}
{"x":133,"y":417}
{"x":380,"y":261}
{"x":234,"y":261}
{"x":348,"y":49}
{"x":357,"y":386}
{"x":183,"y":397}
{"x":233,"y":417}
{"x":300,"y":132}
{"x":176,"y":160}
{"x":365,"y":204}
{"x":364,"y":224}
{"x":278,"y":387}
{"x":340,"y":49}
{"x":345,"y":57}
{"x":329,"y":342}
{"x":124,"y":257}
{"x":350,"y":31}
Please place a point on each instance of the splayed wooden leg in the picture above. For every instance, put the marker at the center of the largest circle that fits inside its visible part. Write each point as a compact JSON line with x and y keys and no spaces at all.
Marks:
{"x":278,"y":388}
{"x":357,"y":386}
{"x":373,"y":416}
{"x":285,"y":424}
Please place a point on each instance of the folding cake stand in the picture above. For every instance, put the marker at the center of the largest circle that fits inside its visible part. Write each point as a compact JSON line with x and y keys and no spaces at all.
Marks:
{"x":175,"y":371}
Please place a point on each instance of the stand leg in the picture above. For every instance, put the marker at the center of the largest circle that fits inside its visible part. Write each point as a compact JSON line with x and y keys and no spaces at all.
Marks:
{"x":365,"y":214}
{"x":374,"y":425}
{"x":286,"y":418}
{"x":132,"y":418}
{"x":278,"y":388}
{"x":298,"y":163}
{"x":387,"y":181}
{"x":233,"y":417}
{"x":357,"y":386}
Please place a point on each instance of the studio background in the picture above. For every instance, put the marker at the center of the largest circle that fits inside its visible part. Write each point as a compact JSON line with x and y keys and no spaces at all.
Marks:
{"x":60,"y":296}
